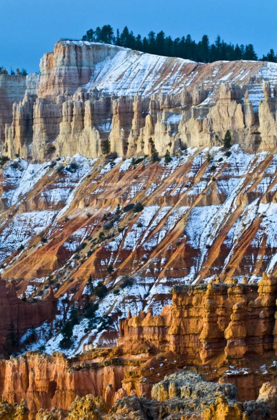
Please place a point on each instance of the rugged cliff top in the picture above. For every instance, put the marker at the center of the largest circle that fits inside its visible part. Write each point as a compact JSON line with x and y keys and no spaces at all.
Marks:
{"x":122,"y":71}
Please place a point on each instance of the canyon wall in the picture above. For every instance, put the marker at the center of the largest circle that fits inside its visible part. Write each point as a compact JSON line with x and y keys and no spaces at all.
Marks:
{"x":227,"y":331}
{"x":210,"y":321}
{"x":91,"y":98}
{"x":18,"y":316}
{"x":140,"y":227}
{"x":186,"y":395}
{"x":50,"y":381}
{"x":12,"y":90}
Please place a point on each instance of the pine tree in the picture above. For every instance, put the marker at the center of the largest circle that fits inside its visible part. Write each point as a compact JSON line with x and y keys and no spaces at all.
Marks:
{"x":145,"y":45}
{"x":106,"y":34}
{"x":152,"y":43}
{"x":271,"y":56}
{"x":183,"y":47}
{"x":250,"y":53}
{"x":227,"y":140}
{"x":98,"y":34}
{"x":106,"y":148}
{"x":117,"y":38}
{"x":160,"y":43}
{"x":238,"y":54}
{"x":204,"y":48}
{"x":167,"y":157}
{"x":168,"y":46}
{"x":124,"y":37}
{"x":138,"y":43}
{"x":89,"y":36}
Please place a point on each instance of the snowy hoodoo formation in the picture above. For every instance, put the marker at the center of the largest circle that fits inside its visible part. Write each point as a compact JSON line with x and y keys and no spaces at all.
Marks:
{"x":91,"y":96}
{"x":138,"y":236}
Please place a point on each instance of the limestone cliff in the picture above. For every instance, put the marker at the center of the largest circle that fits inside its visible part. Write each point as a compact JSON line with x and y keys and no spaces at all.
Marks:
{"x":89,"y":94}
{"x":12,"y":90}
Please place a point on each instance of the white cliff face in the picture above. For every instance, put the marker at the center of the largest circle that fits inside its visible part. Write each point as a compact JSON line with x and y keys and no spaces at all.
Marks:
{"x":71,"y":65}
{"x":91,"y":94}
{"x":12,"y":89}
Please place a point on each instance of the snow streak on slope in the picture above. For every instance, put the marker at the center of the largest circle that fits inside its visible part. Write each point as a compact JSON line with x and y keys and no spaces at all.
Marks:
{"x":195,"y":223}
{"x":126,"y":72}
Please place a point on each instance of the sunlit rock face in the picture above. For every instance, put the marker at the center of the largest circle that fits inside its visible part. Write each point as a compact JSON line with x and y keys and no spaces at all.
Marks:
{"x":91,"y":93}
{"x":209,"y":322}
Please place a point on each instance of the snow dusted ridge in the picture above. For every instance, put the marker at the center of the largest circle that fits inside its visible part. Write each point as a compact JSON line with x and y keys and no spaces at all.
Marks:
{"x":21,"y":178}
{"x":138,"y":227}
{"x":103,"y":96}
{"x":124,"y":72}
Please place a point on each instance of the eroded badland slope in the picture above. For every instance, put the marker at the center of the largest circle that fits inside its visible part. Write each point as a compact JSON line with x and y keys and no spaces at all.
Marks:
{"x":138,"y":213}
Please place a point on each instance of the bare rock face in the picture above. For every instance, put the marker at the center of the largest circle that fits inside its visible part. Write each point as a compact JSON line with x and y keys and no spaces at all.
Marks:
{"x":143,"y":228}
{"x":206,"y":322}
{"x":14,"y":412}
{"x":51,"y":381}
{"x":191,"y":397}
{"x":71,"y":65}
{"x":17,"y":316}
{"x":204,"y":214}
{"x":268,"y":396}
{"x":190,"y":385}
{"x":186,"y":396}
{"x":12,"y":89}
{"x":89,"y":94}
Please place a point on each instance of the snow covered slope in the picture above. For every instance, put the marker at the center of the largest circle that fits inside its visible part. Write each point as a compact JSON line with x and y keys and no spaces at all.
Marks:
{"x":205,"y":213}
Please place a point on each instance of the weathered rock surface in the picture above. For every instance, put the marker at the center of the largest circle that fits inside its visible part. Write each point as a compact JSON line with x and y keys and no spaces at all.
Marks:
{"x":90,"y":93}
{"x":14,"y":412}
{"x":208,"y":322}
{"x":12,"y":89}
{"x":51,"y":381}
{"x":185,"y":395}
{"x":17,"y":316}
{"x":206,"y":214}
{"x":85,"y":408}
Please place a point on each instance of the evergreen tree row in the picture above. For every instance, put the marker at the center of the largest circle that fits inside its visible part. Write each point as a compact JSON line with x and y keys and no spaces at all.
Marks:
{"x":184,"y":47}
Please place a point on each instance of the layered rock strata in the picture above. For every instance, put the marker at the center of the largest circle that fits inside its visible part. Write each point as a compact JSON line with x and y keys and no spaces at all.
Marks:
{"x":12,"y":91}
{"x":51,"y":381}
{"x":184,"y":395}
{"x":140,"y":227}
{"x":18,"y":316}
{"x":206,"y":322}
{"x":204,"y":326}
{"x":91,"y":95}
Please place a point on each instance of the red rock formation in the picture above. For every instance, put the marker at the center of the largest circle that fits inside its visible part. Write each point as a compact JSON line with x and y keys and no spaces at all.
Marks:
{"x":208,"y":321}
{"x":209,"y":325}
{"x":50,"y":381}
{"x":17,"y":316}
{"x":201,"y":218}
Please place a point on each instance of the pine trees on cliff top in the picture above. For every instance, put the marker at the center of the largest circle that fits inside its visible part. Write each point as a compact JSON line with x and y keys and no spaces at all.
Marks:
{"x":184,"y":47}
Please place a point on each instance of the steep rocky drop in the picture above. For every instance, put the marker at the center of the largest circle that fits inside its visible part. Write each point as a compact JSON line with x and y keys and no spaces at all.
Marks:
{"x":138,"y":237}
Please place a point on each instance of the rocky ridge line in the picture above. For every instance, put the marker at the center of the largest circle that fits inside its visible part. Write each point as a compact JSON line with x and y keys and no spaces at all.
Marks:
{"x":91,"y":94}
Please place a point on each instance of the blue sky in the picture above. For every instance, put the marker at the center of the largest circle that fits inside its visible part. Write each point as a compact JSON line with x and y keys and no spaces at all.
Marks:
{"x":30,"y":28}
